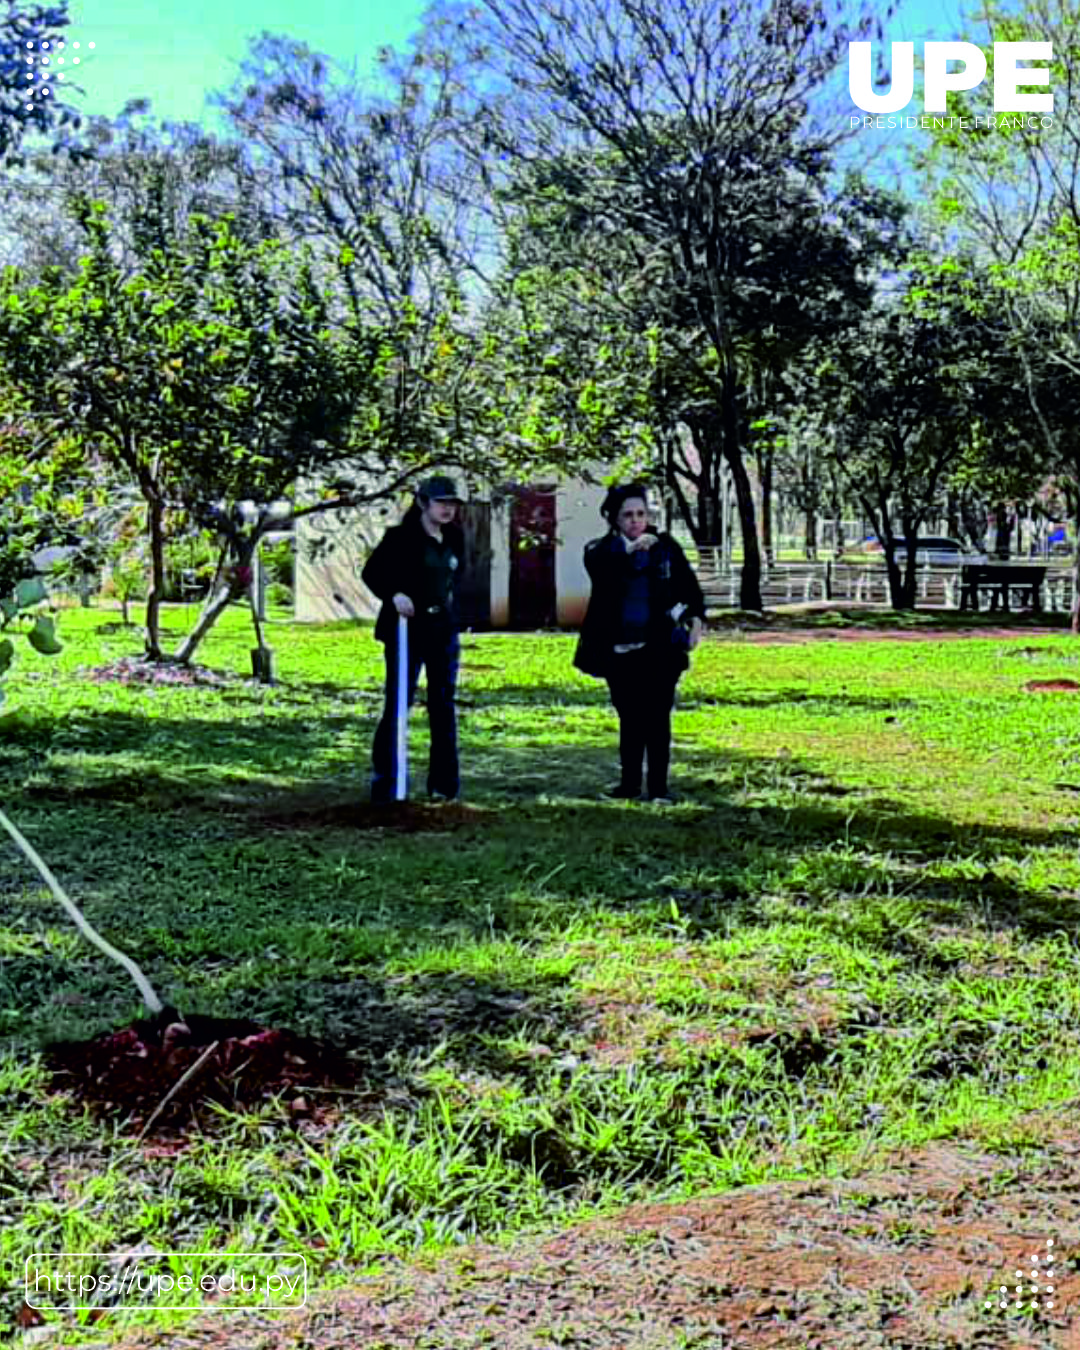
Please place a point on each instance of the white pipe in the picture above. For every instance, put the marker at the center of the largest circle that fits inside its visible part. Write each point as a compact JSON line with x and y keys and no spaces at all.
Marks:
{"x":144,"y":986}
{"x":401,"y":763}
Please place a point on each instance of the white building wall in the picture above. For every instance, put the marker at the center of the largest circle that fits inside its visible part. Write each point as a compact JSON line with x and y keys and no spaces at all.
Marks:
{"x":330,"y":587}
{"x":500,"y":562}
{"x":577,"y":520}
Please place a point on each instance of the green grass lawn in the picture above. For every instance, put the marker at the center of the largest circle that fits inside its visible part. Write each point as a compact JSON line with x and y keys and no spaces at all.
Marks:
{"x":856,"y":932}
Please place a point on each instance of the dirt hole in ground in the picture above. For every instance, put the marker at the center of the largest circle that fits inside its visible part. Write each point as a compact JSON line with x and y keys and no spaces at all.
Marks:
{"x":138,"y":1073}
{"x":1050,"y":686}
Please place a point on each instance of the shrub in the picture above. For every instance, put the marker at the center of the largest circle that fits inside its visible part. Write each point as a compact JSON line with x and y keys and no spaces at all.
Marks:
{"x":277,"y":559}
{"x":277,"y":594}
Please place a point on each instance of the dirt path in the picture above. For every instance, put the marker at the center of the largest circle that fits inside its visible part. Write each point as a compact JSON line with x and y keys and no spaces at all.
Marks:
{"x":905,"y":1259}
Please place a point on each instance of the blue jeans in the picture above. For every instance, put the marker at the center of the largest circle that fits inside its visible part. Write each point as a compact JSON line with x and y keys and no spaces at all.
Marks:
{"x":438,"y":650}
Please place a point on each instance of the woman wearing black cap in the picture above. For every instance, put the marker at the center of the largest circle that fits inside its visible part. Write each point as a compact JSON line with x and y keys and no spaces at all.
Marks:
{"x":414,"y":571}
{"x":646,"y":612}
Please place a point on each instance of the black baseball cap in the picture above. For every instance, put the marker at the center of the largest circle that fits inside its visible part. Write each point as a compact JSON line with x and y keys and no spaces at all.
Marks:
{"x":439,"y":488}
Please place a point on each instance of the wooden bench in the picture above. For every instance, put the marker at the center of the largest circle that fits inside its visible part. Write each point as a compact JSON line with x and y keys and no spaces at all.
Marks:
{"x":1001,"y":580}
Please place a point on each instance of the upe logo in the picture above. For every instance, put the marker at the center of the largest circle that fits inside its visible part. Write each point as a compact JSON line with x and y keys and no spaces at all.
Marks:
{"x":940,"y":80}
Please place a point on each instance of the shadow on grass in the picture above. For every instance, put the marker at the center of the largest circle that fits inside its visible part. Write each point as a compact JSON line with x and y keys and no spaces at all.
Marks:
{"x":563,"y":694}
{"x":830,"y":703}
{"x":190,"y":744}
{"x":282,"y":903}
{"x":186,"y":857}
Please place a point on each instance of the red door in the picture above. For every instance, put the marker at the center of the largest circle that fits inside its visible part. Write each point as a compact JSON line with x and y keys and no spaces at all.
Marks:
{"x":532,"y":559}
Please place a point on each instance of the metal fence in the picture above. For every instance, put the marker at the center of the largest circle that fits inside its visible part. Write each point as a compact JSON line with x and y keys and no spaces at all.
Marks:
{"x":801,"y":582}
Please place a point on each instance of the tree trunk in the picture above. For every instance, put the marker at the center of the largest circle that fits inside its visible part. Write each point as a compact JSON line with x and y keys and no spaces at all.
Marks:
{"x":222,"y":592}
{"x":1002,"y":531}
{"x":709,"y":519}
{"x":750,"y":579}
{"x":1075,"y":622}
{"x":685,"y":509}
{"x":892,"y":572}
{"x":765,"y":473}
{"x":901,"y":584}
{"x":811,"y":534}
{"x":952,"y":512}
{"x":901,"y":587}
{"x":216,"y":605}
{"x":156,"y":517}
{"x":708,"y":484}
{"x":911,"y":529}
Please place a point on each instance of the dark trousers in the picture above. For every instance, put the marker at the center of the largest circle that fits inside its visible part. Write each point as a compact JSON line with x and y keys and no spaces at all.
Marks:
{"x":642,"y":685}
{"x":437,"y":649}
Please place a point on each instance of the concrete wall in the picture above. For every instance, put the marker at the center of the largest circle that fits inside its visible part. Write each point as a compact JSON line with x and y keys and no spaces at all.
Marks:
{"x":577,"y":520}
{"x":500,"y":563}
{"x":330,"y":588}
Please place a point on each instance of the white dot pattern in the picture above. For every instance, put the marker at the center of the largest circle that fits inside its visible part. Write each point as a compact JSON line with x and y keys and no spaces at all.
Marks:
{"x":42,"y":90}
{"x":1034,"y":1275}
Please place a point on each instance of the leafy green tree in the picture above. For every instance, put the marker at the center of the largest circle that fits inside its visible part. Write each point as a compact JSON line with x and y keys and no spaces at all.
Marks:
{"x":702,"y":110}
{"x":923,"y":386}
{"x":1013,"y":195}
{"x":215,"y":373}
{"x":151,"y":180}
{"x":806,"y":270}
{"x":212,"y":373}
{"x":1049,"y":379}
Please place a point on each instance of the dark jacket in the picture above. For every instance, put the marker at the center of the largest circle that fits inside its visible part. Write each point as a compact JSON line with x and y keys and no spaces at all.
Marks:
{"x":671,"y":582}
{"x":397,"y":567}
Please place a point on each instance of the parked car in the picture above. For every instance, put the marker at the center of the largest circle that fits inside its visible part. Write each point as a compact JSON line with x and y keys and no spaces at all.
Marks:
{"x":937,"y":552}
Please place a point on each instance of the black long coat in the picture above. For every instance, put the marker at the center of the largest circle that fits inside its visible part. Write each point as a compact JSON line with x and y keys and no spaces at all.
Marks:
{"x":397,"y":567}
{"x":671,"y":582}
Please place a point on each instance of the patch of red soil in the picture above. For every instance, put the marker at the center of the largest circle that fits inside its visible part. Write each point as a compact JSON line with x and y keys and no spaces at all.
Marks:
{"x":131,"y":1073}
{"x":909,"y":1259}
{"x":1051,"y":686}
{"x":790,"y":635}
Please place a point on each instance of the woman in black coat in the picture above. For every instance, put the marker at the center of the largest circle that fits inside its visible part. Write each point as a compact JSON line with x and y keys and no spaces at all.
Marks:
{"x":646,"y":613}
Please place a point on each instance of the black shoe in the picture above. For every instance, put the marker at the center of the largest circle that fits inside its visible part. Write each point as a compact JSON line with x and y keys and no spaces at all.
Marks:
{"x":664,"y":798}
{"x":438,"y":797}
{"x":620,"y":792}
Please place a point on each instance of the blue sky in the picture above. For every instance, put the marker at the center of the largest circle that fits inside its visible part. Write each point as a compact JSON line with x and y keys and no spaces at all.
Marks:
{"x":176,"y":50}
